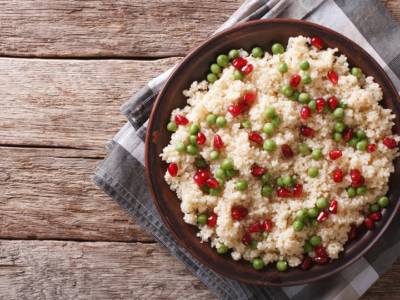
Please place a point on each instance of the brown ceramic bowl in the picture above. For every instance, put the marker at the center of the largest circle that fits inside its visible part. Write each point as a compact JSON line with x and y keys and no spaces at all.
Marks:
{"x":195,"y":67}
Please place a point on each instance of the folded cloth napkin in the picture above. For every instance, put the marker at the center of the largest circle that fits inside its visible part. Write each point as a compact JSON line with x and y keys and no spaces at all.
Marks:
{"x":121,"y":174}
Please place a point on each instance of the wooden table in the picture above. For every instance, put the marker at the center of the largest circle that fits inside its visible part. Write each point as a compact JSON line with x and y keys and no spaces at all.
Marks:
{"x":66,"y":68}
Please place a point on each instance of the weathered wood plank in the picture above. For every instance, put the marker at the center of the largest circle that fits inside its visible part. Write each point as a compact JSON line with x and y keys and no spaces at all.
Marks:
{"x":49,"y":194}
{"x":98,"y":28}
{"x":71,"y":270}
{"x":72,"y":103}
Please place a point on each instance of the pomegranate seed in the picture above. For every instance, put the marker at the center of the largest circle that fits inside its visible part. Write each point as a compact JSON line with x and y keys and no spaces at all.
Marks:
{"x":306,"y":264}
{"x":201,"y":138}
{"x":355,"y":175}
{"x":257,"y":171}
{"x":321,"y":260}
{"x":267,"y":225}
{"x":256,"y":227}
{"x":295,"y":80}
{"x":353,"y":232}
{"x":297,"y":190}
{"x":218,"y":143}
{"x":286,"y":151}
{"x":376,"y":216}
{"x":283,"y":192}
{"x":247,"y":69}
{"x":173,"y":169}
{"x":246,"y":239}
{"x":249,"y":98}
{"x":235,"y":109}
{"x":347,"y":134}
{"x":320,"y":251}
{"x":335,"y":154}
{"x":198,"y":180}
{"x":201,"y":177}
{"x":320,"y":104}
{"x":371,"y":148}
{"x":306,"y":131}
{"x":333,"y":206}
{"x":337,"y":175}
{"x":333,"y":77}
{"x":390,"y":142}
{"x":333,"y":102}
{"x":243,"y":106}
{"x":305,"y":112}
{"x":212,"y":220}
{"x":358,"y":183}
{"x":323,"y":216}
{"x":212,"y":183}
{"x":369,"y":223}
{"x":239,"y":62}
{"x":317,"y":43}
{"x":238,"y":213}
{"x":255,"y":137}
{"x":181,"y":120}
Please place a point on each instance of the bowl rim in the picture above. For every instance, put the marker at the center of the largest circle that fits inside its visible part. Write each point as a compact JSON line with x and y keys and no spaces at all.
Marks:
{"x":148,"y":138}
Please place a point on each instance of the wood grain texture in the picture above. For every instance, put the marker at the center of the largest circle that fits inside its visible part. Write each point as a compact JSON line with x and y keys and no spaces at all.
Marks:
{"x":72,"y":270}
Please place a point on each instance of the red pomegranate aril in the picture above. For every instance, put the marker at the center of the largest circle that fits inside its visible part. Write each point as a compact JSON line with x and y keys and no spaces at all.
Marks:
{"x":238,"y":213}
{"x":358,"y":183}
{"x":335,"y":154}
{"x":249,"y":98}
{"x":247,"y":69}
{"x":321,"y":260}
{"x":306,"y":131}
{"x":317,"y":43}
{"x":347,"y":134}
{"x":253,"y":228}
{"x":286,"y":151}
{"x":173,"y":169}
{"x":203,"y":173}
{"x":352,"y":233}
{"x":198,"y":180}
{"x":283,"y":192}
{"x":390,"y":142}
{"x":295,"y":80}
{"x":371,"y":148}
{"x":235,"y":109}
{"x":217,"y":142}
{"x":212,"y":220}
{"x":320,"y":251}
{"x":305,"y":112}
{"x":212,"y":183}
{"x":239,"y":62}
{"x":257,"y":171}
{"x":355,"y":175}
{"x":369,"y":223}
{"x":333,"y":102}
{"x":267,"y":225}
{"x":201,"y":138}
{"x":320,"y":104}
{"x":297,"y":190}
{"x":333,"y":77}
{"x":333,"y":205}
{"x":181,"y":120}
{"x":375,"y":216}
{"x":246,"y":239}
{"x":323,"y":216}
{"x":337,"y":175}
{"x":306,"y":264}
{"x":256,"y":138}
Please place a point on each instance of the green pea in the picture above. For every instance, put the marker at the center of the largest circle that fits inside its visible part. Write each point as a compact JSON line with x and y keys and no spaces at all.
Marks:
{"x":351,"y":192}
{"x":266,"y":178}
{"x":307,"y":247}
{"x":194,"y":128}
{"x":269,"y":129}
{"x":276,"y":121}
{"x":337,"y":137}
{"x":241,"y":185}
{"x":360,"y":134}
{"x":214,"y":155}
{"x":313,"y":105}
{"x":253,"y":244}
{"x":322,"y":203}
{"x":281,"y":265}
{"x":265,"y":234}
{"x":338,"y":113}
{"x":374,"y":207}
{"x":298,"y":225}
{"x":269,"y":145}
{"x":304,"y":98}
{"x":277,"y":48}
{"x":383,"y":202}
{"x":200,"y":162}
{"x":222,"y":60}
{"x":171,"y":126}
{"x":315,"y":240}
{"x":287,"y":180}
{"x":304,"y":65}
{"x":180,"y":147}
{"x":270,"y":112}
{"x":202,"y":219}
{"x":211,"y":78}
{"x":295,"y":95}
{"x":287,"y":90}
{"x":353,"y":142}
{"x":230,"y":173}
{"x":221,"y":122}
{"x":312,"y":212}
{"x":279,"y":181}
{"x":237,"y":75}
{"x":246,"y":124}
{"x":233,"y":53}
{"x":313,"y":172}
{"x":257,"y":263}
{"x":316,"y":154}
{"x":215,"y":69}
{"x":356,"y":72}
{"x":342,"y":105}
{"x":340,"y":127}
{"x":304,"y":149}
{"x":193,"y":140}
{"x":283,"y":68}
{"x":257,"y":52}
{"x":227,"y":164}
{"x":301,"y":215}
{"x":222,"y":249}
{"x":191,"y":149}
{"x":215,"y":192}
{"x":211,"y":119}
{"x":220,"y":174}
{"x":266,"y":191}
{"x":361,"y":190}
{"x":306,"y":78}
{"x":362,"y":145}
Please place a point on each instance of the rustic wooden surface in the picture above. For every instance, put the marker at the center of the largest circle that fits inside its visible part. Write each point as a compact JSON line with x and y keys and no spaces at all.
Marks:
{"x":65,"y":68}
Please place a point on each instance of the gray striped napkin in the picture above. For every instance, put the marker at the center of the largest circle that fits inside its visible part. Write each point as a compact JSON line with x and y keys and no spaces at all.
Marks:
{"x":121,"y":174}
